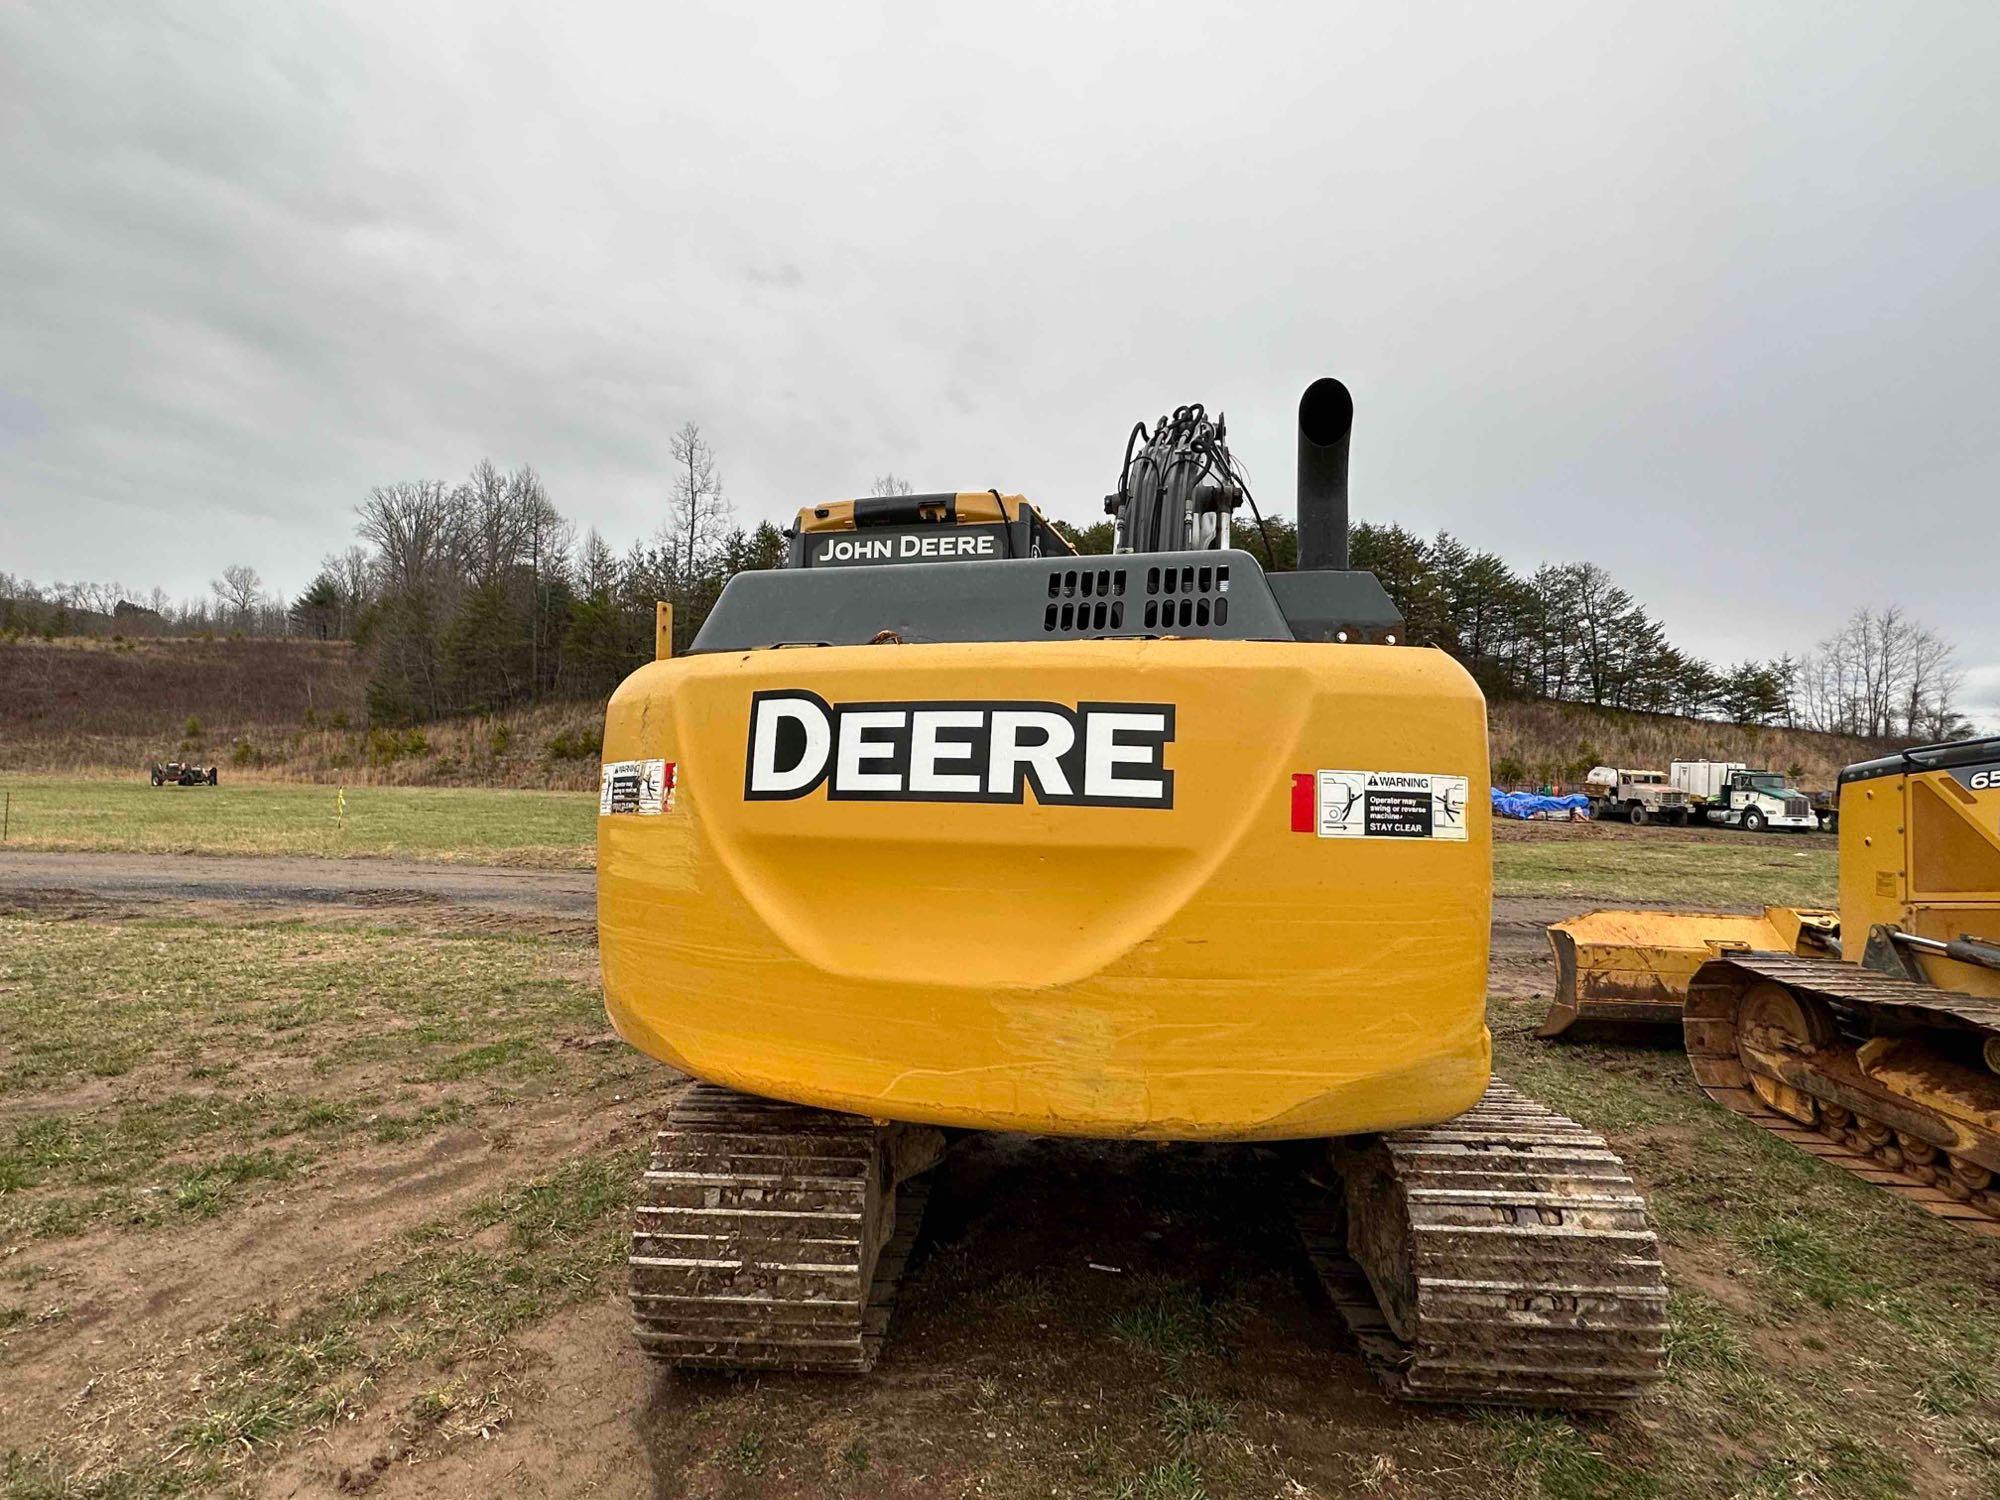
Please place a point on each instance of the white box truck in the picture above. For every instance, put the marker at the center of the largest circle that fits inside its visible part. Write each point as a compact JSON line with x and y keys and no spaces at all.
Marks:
{"x":1731,"y":793}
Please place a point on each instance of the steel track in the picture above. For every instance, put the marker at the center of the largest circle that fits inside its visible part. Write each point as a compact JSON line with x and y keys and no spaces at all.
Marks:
{"x":771,"y":1236}
{"x":1525,"y":1272}
{"x":1853,"y":994}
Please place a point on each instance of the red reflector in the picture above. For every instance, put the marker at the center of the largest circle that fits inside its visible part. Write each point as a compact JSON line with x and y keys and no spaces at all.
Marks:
{"x":1302,"y":801}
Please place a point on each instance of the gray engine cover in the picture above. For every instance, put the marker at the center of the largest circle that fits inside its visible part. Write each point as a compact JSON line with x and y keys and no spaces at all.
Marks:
{"x":1221,"y":595}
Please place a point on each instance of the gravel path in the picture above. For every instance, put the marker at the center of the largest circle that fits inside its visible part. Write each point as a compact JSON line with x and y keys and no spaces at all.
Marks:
{"x":286,"y":881}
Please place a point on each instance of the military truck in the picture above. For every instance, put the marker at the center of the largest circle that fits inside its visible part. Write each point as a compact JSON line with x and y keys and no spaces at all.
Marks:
{"x":1636,"y":797}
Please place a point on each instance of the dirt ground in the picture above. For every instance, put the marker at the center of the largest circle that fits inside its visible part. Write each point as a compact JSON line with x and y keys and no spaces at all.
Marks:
{"x":437,"y":1311}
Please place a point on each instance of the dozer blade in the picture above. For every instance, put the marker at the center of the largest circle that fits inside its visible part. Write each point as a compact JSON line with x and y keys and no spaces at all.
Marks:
{"x":1627,"y":967}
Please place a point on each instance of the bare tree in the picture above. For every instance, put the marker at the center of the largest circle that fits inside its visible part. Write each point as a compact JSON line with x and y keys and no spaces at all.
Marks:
{"x":545,"y":535}
{"x":698,"y":516}
{"x":493,"y":523}
{"x":891,"y":484}
{"x":596,"y":566}
{"x":351,"y":573}
{"x":1881,"y":674}
{"x":238,"y":590}
{"x":354,"y":571}
{"x":1878,"y":647}
{"x":100,"y":597}
{"x":1931,"y":687}
{"x":547,"y":538}
{"x":416,"y":532}
{"x":419,"y":533}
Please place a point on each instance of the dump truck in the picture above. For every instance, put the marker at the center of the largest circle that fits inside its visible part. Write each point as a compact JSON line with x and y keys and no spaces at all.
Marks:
{"x":1869,"y":1038}
{"x":1637,"y":797}
{"x":1734,"y":795}
{"x":1153,"y":845}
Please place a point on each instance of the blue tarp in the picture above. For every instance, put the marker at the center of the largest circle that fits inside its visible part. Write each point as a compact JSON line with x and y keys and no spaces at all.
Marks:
{"x":1530,"y":804}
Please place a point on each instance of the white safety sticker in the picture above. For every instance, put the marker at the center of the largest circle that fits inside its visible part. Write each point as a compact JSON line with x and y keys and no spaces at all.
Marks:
{"x":645,"y":787}
{"x":1391,"y":805}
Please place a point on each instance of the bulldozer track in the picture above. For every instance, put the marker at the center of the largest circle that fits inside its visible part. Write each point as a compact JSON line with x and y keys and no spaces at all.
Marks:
{"x":1531,"y":1276}
{"x":771,"y":1235}
{"x":1851,"y":992}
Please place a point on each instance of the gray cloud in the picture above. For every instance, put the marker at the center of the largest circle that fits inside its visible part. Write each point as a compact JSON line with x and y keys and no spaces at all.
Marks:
{"x":1701,"y":292}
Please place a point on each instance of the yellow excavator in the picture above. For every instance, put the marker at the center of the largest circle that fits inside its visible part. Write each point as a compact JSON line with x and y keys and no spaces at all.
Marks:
{"x":941,"y":827}
{"x":1868,"y":1037}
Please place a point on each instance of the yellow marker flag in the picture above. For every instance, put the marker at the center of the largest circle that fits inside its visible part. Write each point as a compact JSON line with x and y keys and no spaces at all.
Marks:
{"x":340,"y":803}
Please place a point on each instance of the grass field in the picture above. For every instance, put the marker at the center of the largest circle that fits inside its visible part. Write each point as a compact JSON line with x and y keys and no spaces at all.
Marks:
{"x":554,"y":830}
{"x":1718,"y":868}
{"x":313,"y":1207}
{"x":166,"y":1084}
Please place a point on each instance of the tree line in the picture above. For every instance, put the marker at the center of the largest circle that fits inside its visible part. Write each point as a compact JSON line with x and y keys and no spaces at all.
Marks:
{"x":236,"y":604}
{"x":479,"y":595}
{"x":1570,"y":632}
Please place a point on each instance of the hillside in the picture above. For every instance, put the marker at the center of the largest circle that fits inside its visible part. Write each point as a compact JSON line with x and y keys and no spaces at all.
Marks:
{"x":262,"y":709}
{"x":295,"y":710}
{"x":1541,"y":743}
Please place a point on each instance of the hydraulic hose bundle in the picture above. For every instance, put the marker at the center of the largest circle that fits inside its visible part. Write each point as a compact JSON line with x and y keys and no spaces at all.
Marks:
{"x":1179,"y":484}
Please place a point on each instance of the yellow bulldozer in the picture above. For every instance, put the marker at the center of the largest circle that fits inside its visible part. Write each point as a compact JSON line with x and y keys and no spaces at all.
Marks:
{"x":1868,"y":1037}
{"x":941,"y":827}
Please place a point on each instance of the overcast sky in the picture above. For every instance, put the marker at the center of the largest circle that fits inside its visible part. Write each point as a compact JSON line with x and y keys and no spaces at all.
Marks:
{"x":1703,"y":293}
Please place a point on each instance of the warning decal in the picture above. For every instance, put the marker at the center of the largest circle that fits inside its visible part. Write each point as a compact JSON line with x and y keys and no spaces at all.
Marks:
{"x":636,"y":786}
{"x":1389,"y":805}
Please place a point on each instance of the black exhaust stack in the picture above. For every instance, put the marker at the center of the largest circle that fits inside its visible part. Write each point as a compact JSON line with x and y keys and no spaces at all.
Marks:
{"x":1326,"y":422}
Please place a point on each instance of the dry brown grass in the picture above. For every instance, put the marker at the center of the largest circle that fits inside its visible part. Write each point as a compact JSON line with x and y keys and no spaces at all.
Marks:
{"x":94,"y":701}
{"x":1553,"y":742}
{"x":263,"y":710}
{"x":547,"y":747}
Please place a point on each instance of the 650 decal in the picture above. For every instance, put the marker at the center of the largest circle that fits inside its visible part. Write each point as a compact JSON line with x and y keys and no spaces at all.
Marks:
{"x":1092,"y":755}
